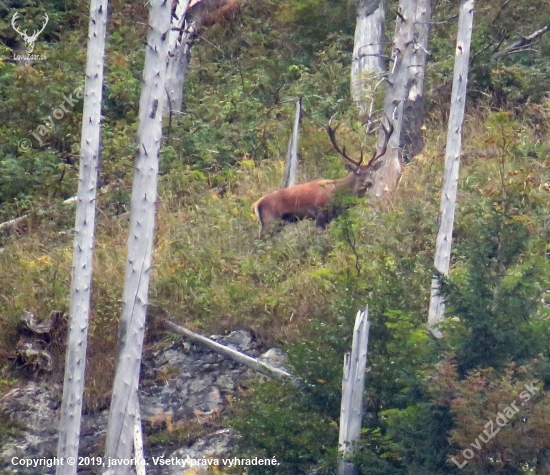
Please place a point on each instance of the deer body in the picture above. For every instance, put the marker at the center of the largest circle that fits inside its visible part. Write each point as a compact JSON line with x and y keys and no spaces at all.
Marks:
{"x":312,"y":200}
{"x":318,"y":199}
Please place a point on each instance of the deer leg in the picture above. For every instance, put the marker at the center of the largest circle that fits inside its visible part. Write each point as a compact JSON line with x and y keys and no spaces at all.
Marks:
{"x":322,"y":220}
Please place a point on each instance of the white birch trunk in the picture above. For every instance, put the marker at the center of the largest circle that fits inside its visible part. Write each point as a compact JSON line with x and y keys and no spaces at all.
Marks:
{"x":404,"y":100}
{"x":367,"y":65}
{"x":81,"y":284}
{"x":353,"y":386}
{"x":140,"y":239}
{"x":291,"y":165}
{"x":452,"y":161}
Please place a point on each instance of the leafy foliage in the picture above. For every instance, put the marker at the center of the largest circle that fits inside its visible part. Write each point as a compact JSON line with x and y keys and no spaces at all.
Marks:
{"x":300,"y":289}
{"x":503,"y":417}
{"x":495,"y":295}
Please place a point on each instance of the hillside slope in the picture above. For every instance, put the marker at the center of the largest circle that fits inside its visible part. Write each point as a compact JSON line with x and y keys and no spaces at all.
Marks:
{"x":301,"y":288}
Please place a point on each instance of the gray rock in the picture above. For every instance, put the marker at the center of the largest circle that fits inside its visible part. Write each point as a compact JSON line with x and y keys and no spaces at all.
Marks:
{"x":183,"y":385}
{"x":239,"y":340}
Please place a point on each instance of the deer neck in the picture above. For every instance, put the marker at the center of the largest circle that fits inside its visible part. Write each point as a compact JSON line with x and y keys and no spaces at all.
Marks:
{"x":346,"y":183}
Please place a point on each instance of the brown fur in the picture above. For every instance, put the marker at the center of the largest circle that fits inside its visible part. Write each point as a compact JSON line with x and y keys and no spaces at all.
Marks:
{"x":312,"y":200}
{"x":210,"y":12}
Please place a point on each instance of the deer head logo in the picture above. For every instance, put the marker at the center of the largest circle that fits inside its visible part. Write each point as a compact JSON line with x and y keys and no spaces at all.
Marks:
{"x":28,"y":39}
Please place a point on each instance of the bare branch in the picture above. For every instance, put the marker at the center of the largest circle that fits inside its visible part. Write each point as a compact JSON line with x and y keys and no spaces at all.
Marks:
{"x":477,"y":54}
{"x":521,"y":44}
{"x":448,"y":20}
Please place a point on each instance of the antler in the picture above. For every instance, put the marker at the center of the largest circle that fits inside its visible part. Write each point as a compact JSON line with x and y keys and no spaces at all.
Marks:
{"x":22,"y":33}
{"x":36,"y":33}
{"x":332,"y":135}
{"x":387,"y":134}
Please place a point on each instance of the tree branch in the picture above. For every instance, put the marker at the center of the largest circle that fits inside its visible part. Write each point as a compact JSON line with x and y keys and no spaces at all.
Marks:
{"x":521,"y":44}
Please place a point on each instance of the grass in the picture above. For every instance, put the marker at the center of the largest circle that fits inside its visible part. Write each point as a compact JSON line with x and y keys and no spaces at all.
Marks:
{"x":213,"y":274}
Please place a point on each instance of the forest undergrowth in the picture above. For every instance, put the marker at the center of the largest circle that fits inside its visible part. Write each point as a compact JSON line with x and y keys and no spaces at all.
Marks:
{"x":300,"y":288}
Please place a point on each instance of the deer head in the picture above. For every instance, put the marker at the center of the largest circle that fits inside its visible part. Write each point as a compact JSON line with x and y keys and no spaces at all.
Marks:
{"x":361,"y":175}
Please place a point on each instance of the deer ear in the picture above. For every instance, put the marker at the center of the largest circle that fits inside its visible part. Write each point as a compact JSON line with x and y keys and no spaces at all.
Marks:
{"x":377,"y":165}
{"x":349,"y":168}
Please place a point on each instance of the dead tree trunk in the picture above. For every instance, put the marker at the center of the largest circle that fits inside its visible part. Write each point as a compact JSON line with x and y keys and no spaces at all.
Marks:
{"x":452,"y":161}
{"x":188,"y":17}
{"x":291,"y":165}
{"x":178,"y":56}
{"x":140,"y":240}
{"x":353,"y":385}
{"x":83,"y":251}
{"x":404,"y":100}
{"x":367,"y":65}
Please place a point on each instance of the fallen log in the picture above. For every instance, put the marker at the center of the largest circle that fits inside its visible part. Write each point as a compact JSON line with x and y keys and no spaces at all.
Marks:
{"x":223,"y":350}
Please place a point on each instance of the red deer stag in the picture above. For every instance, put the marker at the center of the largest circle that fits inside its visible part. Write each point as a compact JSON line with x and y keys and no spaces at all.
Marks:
{"x":315,"y":199}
